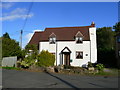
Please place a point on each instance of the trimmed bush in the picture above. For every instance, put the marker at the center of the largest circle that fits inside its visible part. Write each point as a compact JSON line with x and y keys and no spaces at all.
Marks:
{"x":90,"y":64}
{"x":45,"y":59}
{"x":100,"y":67}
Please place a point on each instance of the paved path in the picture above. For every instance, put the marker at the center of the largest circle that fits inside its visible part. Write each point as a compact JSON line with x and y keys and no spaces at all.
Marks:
{"x":24,"y":79}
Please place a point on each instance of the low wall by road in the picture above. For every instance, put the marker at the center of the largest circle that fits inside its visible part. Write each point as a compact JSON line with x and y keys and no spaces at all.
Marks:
{"x":9,"y":61}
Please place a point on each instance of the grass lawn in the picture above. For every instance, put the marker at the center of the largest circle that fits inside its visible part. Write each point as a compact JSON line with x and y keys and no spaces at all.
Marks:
{"x":111,"y":72}
{"x":11,"y":68}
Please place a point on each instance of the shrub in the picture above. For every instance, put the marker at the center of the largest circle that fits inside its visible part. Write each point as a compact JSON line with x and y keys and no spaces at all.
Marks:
{"x":28,"y":61}
{"x":45,"y":59}
{"x":100,"y":67}
{"x":90,"y":64}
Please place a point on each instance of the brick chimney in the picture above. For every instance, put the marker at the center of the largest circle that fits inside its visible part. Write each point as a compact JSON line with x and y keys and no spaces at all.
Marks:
{"x":93,"y":24}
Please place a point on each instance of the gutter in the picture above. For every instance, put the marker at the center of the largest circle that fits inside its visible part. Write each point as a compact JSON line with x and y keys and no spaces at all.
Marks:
{"x":90,"y":50}
{"x":56,"y":53}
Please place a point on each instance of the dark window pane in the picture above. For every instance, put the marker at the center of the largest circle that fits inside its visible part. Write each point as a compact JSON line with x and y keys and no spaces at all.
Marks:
{"x":79,"y":40}
{"x":79,"y":55}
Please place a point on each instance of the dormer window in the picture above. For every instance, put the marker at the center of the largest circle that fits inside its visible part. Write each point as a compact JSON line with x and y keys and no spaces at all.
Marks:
{"x":79,"y":37}
{"x":52,"y":38}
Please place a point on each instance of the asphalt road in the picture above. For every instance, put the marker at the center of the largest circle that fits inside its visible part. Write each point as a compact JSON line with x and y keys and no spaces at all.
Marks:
{"x":24,"y":79}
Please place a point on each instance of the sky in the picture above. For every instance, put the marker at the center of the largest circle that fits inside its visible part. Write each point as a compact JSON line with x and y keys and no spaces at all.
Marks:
{"x":54,"y":14}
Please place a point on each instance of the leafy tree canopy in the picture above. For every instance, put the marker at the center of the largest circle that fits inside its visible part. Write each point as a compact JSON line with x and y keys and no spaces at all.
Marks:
{"x":10,"y":47}
{"x":106,"y":46}
{"x":117,"y":27}
{"x":31,"y":47}
{"x":6,"y":35}
{"x":105,"y":38}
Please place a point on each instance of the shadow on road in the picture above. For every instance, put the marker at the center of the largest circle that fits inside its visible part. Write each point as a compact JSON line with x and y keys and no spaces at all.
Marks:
{"x":97,"y":85}
{"x":67,"y":83}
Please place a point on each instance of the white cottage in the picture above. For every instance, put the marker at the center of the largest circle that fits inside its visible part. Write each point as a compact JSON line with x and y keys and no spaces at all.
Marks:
{"x":75,"y":46}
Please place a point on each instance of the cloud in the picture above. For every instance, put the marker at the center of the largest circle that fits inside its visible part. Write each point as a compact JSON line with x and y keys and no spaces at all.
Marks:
{"x":28,"y":36}
{"x":6,"y":5}
{"x":37,"y":30}
{"x":18,"y":13}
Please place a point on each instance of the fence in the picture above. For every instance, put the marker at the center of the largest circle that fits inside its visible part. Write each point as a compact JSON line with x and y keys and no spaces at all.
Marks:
{"x":10,"y":61}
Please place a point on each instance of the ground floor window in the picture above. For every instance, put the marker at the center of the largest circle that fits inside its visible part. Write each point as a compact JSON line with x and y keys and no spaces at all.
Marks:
{"x":79,"y":55}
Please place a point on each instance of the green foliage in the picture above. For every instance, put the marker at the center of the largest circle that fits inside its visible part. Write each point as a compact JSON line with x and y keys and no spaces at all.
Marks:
{"x":23,"y":53}
{"x":31,"y":47}
{"x":6,"y":35}
{"x":28,"y":61}
{"x":100,"y":67}
{"x":90,"y":64}
{"x":103,"y":74}
{"x":117,"y":27}
{"x":10,"y":48}
{"x":11,"y":68}
{"x":107,"y":57}
{"x":105,"y":38}
{"x":45,"y":59}
{"x":106,"y":46}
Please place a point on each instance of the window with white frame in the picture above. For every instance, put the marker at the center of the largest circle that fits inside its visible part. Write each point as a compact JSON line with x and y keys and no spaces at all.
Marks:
{"x":79,"y":55}
{"x":79,"y":39}
{"x":52,"y":40}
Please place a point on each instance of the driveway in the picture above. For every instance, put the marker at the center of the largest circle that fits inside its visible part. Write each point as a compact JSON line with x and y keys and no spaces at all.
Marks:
{"x":24,"y":79}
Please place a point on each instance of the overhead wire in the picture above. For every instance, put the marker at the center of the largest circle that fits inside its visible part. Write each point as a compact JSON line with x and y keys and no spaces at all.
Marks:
{"x":29,"y":10}
{"x":24,"y":24}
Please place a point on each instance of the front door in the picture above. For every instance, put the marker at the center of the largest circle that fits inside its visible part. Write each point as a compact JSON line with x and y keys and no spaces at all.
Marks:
{"x":67,"y":59}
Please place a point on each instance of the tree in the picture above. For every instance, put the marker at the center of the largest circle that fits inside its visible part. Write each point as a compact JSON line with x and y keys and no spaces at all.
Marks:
{"x":29,"y":47}
{"x":105,"y":38}
{"x":117,"y":27}
{"x":6,"y":35}
{"x":31,"y":51}
{"x":106,"y":46}
{"x":10,"y":47}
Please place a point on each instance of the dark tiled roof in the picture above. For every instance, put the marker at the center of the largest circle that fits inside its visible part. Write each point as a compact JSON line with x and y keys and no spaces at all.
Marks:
{"x":62,"y":34}
{"x":35,"y":38}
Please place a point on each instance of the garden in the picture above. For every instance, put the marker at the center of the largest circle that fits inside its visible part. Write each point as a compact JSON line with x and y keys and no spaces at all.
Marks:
{"x":44,"y":62}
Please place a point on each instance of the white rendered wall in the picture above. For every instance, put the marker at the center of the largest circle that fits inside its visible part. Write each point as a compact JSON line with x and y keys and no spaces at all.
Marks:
{"x":92,"y":32}
{"x":85,"y":47}
{"x":46,"y":46}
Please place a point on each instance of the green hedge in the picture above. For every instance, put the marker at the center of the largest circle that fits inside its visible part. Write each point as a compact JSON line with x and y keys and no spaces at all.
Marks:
{"x":45,"y":59}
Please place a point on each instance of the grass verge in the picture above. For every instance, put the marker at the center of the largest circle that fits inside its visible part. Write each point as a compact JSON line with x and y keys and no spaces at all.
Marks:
{"x":11,"y":68}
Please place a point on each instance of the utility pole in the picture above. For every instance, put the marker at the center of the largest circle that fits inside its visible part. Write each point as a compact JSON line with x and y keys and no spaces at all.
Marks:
{"x":21,"y":32}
